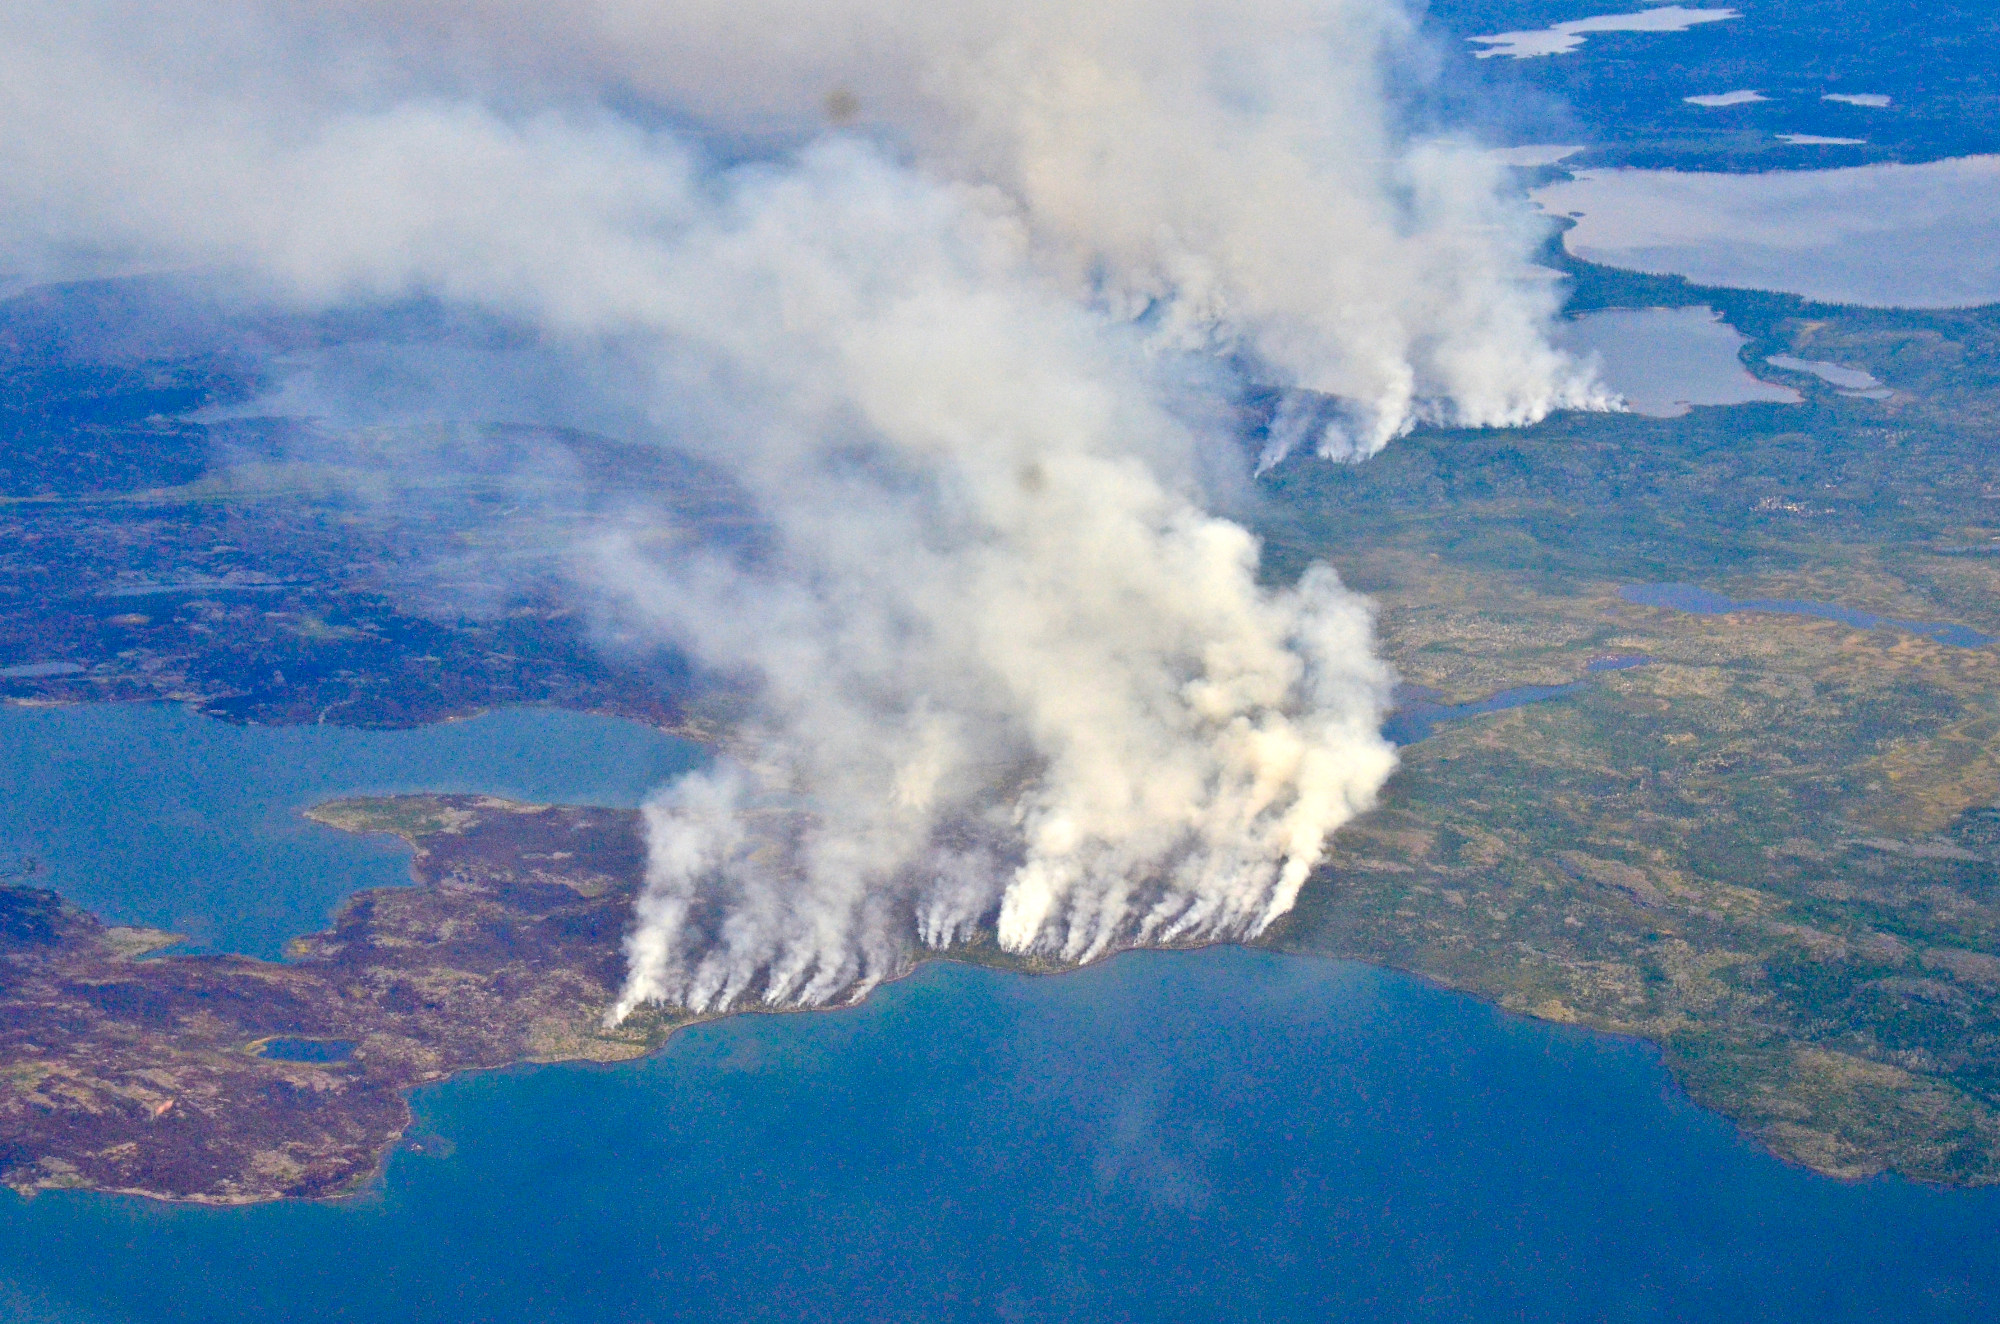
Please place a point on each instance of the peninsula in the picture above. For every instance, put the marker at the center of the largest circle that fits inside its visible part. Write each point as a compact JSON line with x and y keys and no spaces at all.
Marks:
{"x":225,"y":1080}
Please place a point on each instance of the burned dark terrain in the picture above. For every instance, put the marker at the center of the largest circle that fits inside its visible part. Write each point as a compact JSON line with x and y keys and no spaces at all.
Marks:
{"x":128,"y":1070}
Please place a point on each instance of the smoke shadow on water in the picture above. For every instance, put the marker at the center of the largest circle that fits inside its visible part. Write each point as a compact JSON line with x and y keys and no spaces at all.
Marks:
{"x":1217,"y":1135}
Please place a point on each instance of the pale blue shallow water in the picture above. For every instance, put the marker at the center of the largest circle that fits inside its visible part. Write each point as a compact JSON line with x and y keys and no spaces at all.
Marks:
{"x":155,"y":815}
{"x":1216,"y":1136}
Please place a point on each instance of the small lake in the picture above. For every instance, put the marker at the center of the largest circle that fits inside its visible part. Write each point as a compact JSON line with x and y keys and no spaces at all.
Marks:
{"x":1418,"y":710}
{"x":1562,"y":38}
{"x":1855,"y":383}
{"x":154,"y":815}
{"x":284,"y":1049}
{"x":1223,"y":1135}
{"x":1664,"y":360}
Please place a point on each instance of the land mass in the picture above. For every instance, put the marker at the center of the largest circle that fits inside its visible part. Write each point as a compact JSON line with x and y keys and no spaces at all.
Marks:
{"x":221,"y":1079}
{"x":146,"y":1074}
{"x":1768,"y":843}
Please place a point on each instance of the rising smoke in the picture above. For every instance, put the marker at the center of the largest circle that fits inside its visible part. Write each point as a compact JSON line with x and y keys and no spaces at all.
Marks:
{"x":958,"y":296}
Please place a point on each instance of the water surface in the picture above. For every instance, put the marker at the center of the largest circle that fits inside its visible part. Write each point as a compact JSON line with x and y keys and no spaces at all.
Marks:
{"x":1562,"y":38}
{"x":285,"y":1049}
{"x":1905,"y":236}
{"x":1215,"y":1136}
{"x":152,"y":814}
{"x":1418,"y":711}
{"x":1853,"y":382}
{"x":1717,"y":100}
{"x":1664,"y":360}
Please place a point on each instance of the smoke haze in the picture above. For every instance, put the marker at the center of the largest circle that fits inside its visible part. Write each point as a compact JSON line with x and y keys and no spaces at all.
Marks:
{"x":960,"y":298}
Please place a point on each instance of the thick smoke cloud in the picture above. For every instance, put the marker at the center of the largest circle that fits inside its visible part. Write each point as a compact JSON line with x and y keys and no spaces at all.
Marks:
{"x":969,"y":356}
{"x":1227,"y":170}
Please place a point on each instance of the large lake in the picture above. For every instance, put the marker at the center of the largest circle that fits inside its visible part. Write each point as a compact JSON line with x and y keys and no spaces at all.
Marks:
{"x":1223,"y":1135}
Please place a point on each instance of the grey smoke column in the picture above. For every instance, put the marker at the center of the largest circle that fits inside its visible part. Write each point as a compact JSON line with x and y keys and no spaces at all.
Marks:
{"x":1007,"y":667}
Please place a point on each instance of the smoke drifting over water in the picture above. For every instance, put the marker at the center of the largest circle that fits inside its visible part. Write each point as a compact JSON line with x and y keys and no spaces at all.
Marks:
{"x":970,"y":356}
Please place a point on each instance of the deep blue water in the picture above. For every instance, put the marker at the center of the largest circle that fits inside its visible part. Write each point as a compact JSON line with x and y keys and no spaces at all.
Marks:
{"x":1225,"y":1135}
{"x":1215,"y":1136}
{"x":156,"y":815}
{"x":1707,"y":602}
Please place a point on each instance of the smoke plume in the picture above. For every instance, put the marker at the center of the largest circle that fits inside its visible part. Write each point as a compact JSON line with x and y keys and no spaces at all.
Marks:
{"x":960,"y":297}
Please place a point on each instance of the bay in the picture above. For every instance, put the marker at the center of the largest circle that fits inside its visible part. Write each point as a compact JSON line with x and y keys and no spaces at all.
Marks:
{"x":154,"y":815}
{"x":1217,"y":1135}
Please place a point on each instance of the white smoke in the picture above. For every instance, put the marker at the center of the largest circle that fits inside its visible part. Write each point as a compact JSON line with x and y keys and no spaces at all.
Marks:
{"x":970,"y":359}
{"x":1010,"y":668}
{"x":1227,"y":171}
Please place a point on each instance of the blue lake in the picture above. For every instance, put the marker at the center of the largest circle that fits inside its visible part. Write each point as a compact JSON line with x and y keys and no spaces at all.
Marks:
{"x":1222,"y":1135}
{"x":155,"y":815}
{"x":1417,"y":710}
{"x":307,"y":1050}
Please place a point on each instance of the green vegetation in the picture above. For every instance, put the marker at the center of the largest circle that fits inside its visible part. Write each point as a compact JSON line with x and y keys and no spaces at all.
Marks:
{"x":1773,"y":850}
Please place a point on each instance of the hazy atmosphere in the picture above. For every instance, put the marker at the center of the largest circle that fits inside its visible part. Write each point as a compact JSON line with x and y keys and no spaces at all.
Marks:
{"x":1007,"y":664}
{"x":978,"y":663}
